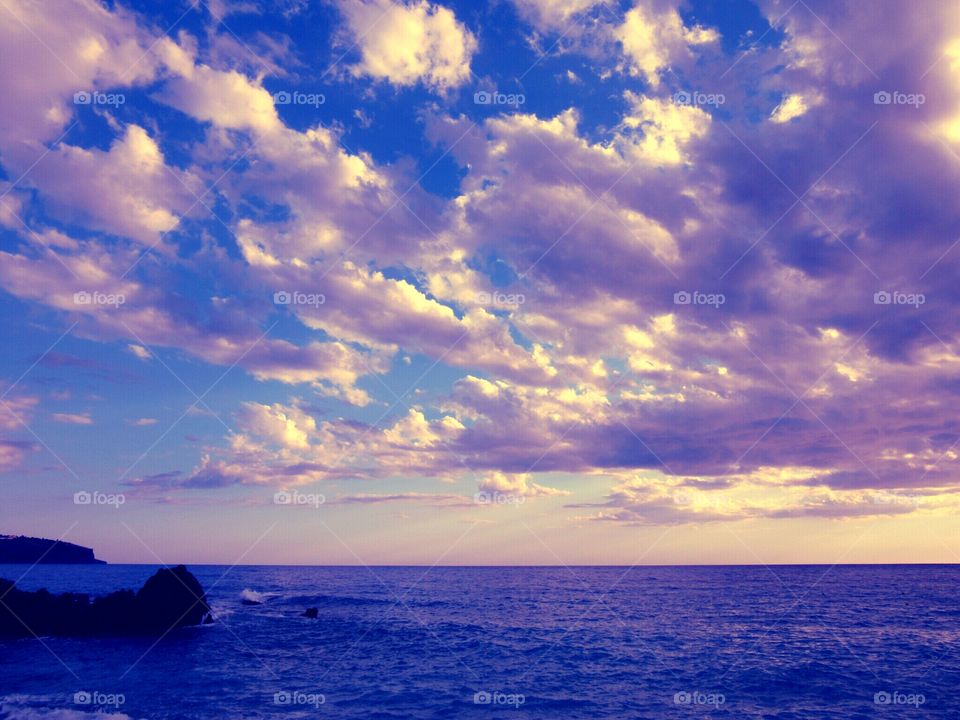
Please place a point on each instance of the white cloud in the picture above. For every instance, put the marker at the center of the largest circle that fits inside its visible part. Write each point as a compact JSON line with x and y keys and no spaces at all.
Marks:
{"x":792,"y":106}
{"x":652,"y":41}
{"x":227,"y":99}
{"x":288,"y":427}
{"x":140,"y":351}
{"x":517,"y":484}
{"x":553,"y":15}
{"x":409,"y":42}
{"x":665,"y":127}
{"x":58,"y":51}
{"x":127,"y":190}
{"x":73,"y":418}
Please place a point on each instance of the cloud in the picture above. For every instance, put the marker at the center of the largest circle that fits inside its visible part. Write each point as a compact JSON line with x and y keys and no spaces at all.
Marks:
{"x":653,"y":40}
{"x":127,"y":190}
{"x":430,"y":499}
{"x":139,"y":351}
{"x":516,"y":484}
{"x":410,"y":42}
{"x":658,"y":130}
{"x":96,"y":49}
{"x":766,"y":494}
{"x":544,"y":294}
{"x":17,"y":410}
{"x":144,"y":316}
{"x":73,"y":418}
{"x":13,"y":453}
{"x":554,"y":15}
{"x":791,"y":107}
{"x":227,"y":99}
{"x":287,"y":427}
{"x":281,"y":445}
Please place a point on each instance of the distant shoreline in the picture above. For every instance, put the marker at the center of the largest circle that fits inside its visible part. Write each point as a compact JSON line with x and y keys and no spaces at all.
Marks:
{"x":23,"y":550}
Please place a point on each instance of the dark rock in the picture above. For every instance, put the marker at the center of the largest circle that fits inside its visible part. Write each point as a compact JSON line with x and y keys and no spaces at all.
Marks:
{"x":311,"y":613}
{"x":172,"y":598}
{"x":36,"y":551}
{"x":249,"y":601}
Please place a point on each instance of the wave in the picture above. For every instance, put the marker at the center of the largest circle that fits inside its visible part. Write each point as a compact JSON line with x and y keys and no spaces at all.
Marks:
{"x":19,"y":712}
{"x":252,"y":596}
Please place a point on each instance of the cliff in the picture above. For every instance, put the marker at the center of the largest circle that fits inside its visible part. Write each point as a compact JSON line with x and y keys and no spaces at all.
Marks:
{"x":28,"y":550}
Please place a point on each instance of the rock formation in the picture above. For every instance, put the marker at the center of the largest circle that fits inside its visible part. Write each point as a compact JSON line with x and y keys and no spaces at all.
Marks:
{"x":171,"y":598}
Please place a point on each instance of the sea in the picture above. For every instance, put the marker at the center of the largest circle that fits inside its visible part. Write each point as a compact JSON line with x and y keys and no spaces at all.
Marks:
{"x":510,"y":642}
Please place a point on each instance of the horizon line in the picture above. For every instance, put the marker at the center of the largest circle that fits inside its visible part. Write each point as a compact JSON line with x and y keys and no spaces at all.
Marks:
{"x":556,"y":565}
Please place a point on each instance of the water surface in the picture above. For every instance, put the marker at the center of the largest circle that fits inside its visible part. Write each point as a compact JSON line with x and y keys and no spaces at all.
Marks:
{"x":393,"y":642}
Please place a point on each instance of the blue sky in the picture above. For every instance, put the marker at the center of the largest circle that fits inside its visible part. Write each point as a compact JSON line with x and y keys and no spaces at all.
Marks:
{"x":518,"y":282}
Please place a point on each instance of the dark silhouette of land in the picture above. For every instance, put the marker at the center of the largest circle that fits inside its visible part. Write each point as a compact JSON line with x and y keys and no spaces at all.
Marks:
{"x":20,"y":550}
{"x":171,"y":598}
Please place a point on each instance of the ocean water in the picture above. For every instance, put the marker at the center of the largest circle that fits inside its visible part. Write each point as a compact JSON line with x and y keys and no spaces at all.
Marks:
{"x":663,"y":642}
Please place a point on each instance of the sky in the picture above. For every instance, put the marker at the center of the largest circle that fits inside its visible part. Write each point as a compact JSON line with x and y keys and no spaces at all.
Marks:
{"x":518,"y":282}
